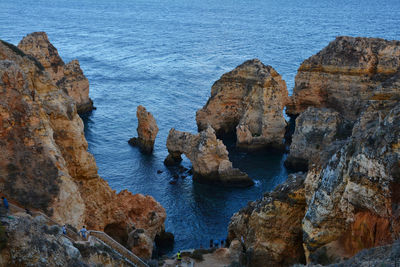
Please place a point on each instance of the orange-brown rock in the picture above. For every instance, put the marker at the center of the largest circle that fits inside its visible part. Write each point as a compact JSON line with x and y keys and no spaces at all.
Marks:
{"x":344,"y":75}
{"x":44,"y":162}
{"x":147,"y":130}
{"x":271,"y":227}
{"x":69,"y":77}
{"x":249,"y":100}
{"x":209,"y":158}
{"x":353,"y":201}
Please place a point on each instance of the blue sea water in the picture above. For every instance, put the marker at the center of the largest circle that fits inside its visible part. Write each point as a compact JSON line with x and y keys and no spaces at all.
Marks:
{"x":165,"y":55}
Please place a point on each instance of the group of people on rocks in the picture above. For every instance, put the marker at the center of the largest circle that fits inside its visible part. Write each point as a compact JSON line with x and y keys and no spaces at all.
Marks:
{"x":6,"y":207}
{"x":215,"y":243}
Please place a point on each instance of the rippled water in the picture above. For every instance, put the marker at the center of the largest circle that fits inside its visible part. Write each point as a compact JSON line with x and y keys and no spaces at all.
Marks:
{"x":165,"y":55}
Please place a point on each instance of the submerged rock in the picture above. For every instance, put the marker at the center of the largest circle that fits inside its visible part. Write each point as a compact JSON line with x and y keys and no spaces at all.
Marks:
{"x":209,"y":158}
{"x":147,"y":131}
{"x":44,"y":162}
{"x":249,"y":101}
{"x":68,"y":77}
{"x":344,"y":75}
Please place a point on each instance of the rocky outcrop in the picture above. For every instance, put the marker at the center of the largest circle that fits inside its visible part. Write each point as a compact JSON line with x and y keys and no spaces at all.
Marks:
{"x":249,"y":101}
{"x":147,"y":130}
{"x":209,"y":158}
{"x":68,"y":77}
{"x":318,"y":133}
{"x":271,"y":227}
{"x":31,"y":242}
{"x":344,"y":75}
{"x":44,"y":162}
{"x":353,"y":201}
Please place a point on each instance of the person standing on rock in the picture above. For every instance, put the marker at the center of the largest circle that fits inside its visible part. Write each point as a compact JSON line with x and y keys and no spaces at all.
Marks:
{"x":178,"y":256}
{"x":64,"y":229}
{"x":83,"y":232}
{"x":5,"y":203}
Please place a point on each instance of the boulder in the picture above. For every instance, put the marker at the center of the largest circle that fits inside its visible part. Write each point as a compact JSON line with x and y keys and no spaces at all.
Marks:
{"x":68,"y":77}
{"x":208,"y":155}
{"x":248,"y":101}
{"x":344,"y":75}
{"x":147,"y":131}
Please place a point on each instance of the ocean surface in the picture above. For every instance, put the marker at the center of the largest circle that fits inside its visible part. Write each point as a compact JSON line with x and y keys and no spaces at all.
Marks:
{"x":165,"y":55}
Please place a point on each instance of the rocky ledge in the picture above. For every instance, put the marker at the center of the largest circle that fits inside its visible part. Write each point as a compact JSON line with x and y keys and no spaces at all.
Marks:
{"x":209,"y":158}
{"x":343,"y":76}
{"x":68,"y":77}
{"x":248,"y":101}
{"x":147,"y":131}
{"x":44,"y":162}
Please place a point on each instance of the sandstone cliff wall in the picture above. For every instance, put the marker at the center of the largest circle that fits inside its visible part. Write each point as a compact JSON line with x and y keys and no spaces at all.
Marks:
{"x":344,"y":75}
{"x":44,"y":162}
{"x":68,"y":77}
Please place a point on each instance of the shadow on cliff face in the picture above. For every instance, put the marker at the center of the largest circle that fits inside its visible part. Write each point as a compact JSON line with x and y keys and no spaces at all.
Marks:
{"x":118,"y":231}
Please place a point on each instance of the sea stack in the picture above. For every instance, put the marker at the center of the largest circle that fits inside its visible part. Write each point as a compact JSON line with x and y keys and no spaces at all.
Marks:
{"x":68,"y":77}
{"x":147,"y":131}
{"x":248,"y":101}
{"x":209,"y":158}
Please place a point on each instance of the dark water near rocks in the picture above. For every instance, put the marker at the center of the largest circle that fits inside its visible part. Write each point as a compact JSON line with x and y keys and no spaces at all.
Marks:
{"x":165,"y":55}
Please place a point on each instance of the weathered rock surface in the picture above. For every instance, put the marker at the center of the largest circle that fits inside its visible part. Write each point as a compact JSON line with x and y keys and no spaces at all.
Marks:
{"x":344,"y":75}
{"x":69,"y":77}
{"x":353,"y":202}
{"x":208,"y":155}
{"x":30,"y":242}
{"x":147,"y":130}
{"x":249,"y":100}
{"x":271,"y":227}
{"x":44,"y":163}
{"x":318,"y":132}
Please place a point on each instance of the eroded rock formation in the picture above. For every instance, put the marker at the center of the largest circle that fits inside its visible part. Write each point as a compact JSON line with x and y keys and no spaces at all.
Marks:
{"x":30,"y":242}
{"x":208,"y":155}
{"x":318,"y":133}
{"x":69,"y":77}
{"x":44,"y":162}
{"x":353,"y":201}
{"x":249,"y":101}
{"x":344,"y":75}
{"x":147,"y":130}
{"x":271,"y":227}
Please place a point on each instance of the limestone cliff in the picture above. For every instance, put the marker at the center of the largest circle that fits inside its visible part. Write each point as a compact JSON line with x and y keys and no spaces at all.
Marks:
{"x":44,"y":163}
{"x":271,"y":227}
{"x":69,"y":77}
{"x":249,"y":101}
{"x":208,"y":155}
{"x":344,"y":75}
{"x":147,"y":130}
{"x":318,"y":133}
{"x":353,"y":201}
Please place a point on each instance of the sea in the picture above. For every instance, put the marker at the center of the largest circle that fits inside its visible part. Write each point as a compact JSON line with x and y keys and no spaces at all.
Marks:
{"x":166,"y":55}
